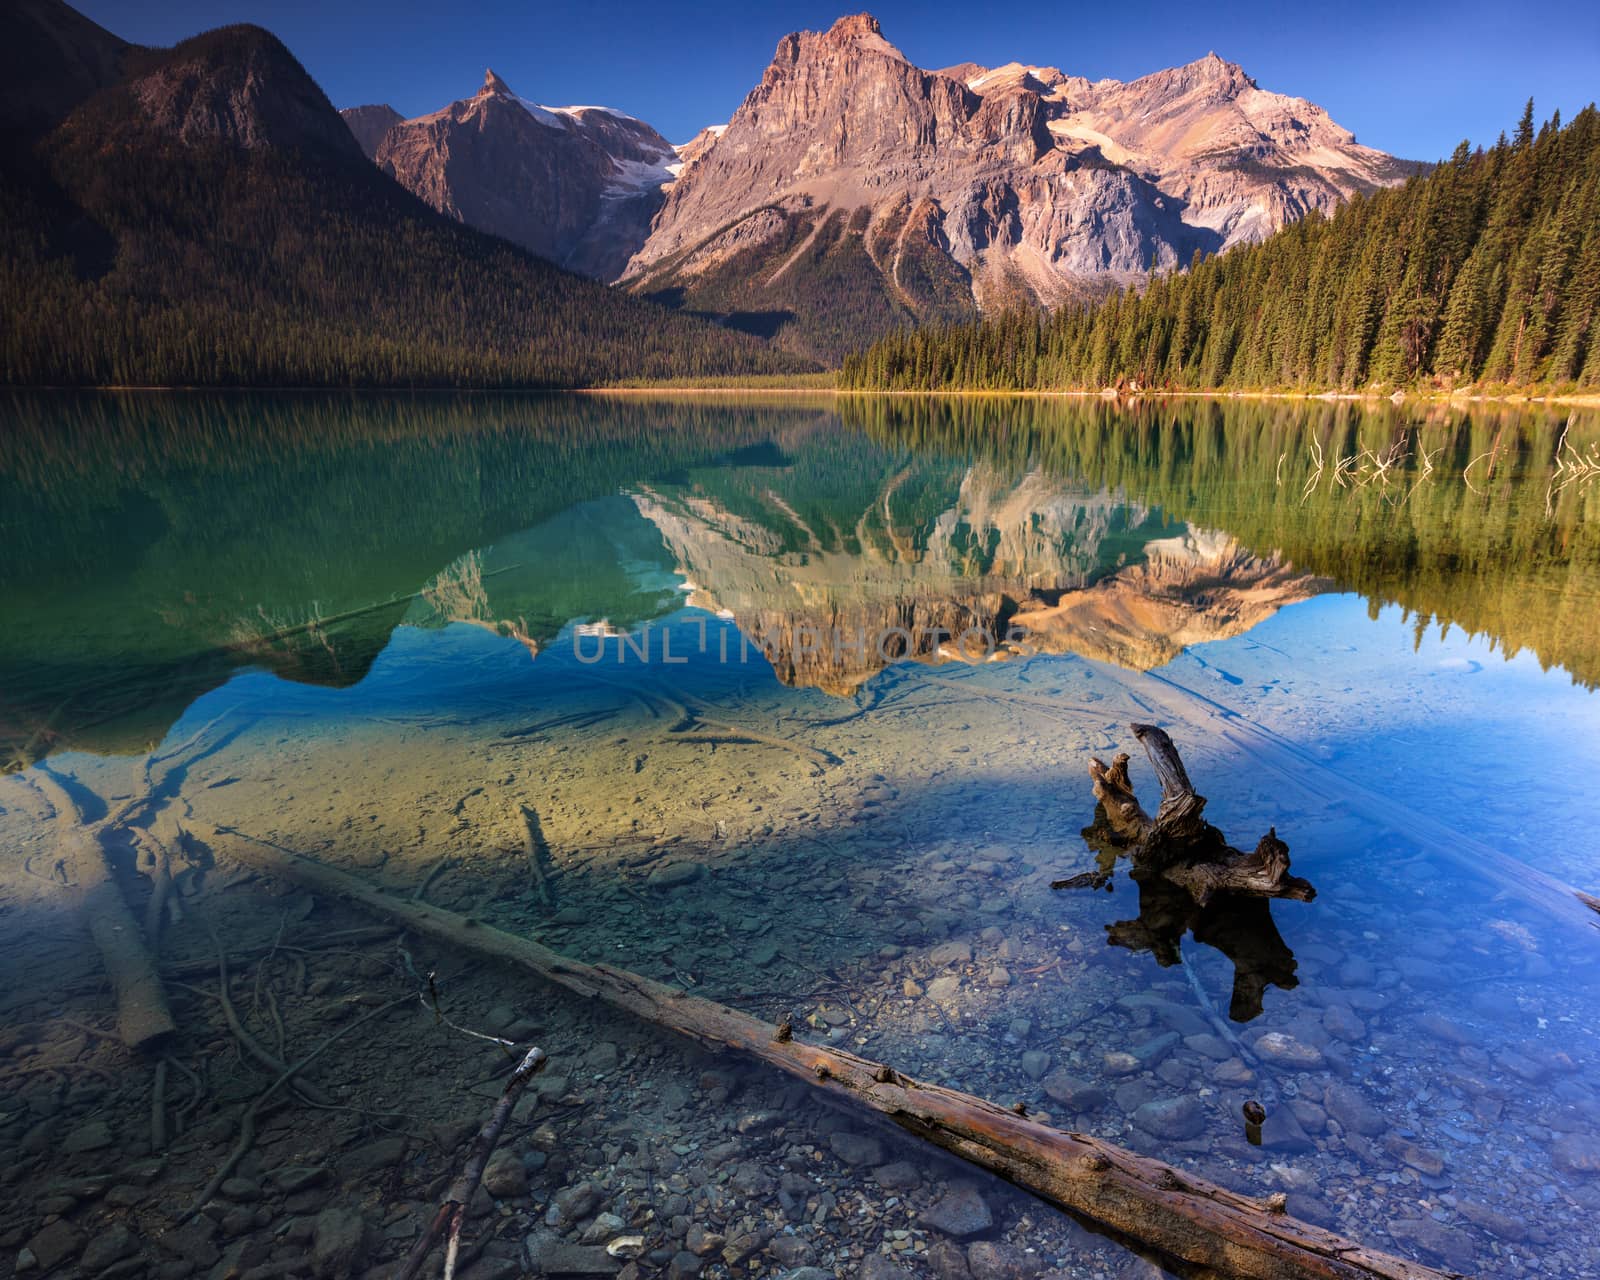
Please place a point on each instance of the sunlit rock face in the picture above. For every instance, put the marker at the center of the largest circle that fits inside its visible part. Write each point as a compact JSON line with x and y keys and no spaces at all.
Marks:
{"x":1009,"y":567}
{"x":985,"y":187}
{"x":577,"y":185}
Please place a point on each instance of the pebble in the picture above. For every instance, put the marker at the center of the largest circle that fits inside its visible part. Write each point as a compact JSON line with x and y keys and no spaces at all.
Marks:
{"x":1341,"y":1023}
{"x":1073,"y":1093}
{"x":505,"y":1175}
{"x":602,"y":1229}
{"x":94,"y":1136}
{"x":950,"y":953}
{"x":550,"y":1255}
{"x":1434,"y":1239}
{"x":572,"y":1204}
{"x":944,"y":988}
{"x":1035,"y":1063}
{"x":1352,"y":1110}
{"x":1419,"y":1158}
{"x":900,"y":1175}
{"x":1142,"y":1058}
{"x":241,"y":1190}
{"x":993,"y":1260}
{"x":1174,"y":1119}
{"x":338,"y":1242}
{"x":1209,"y":1046}
{"x":1578,"y":1154}
{"x":292,"y":1178}
{"x":963,"y":1212}
{"x":856,"y":1148}
{"x":1286,"y":1051}
{"x":672,"y":874}
{"x":54,"y":1244}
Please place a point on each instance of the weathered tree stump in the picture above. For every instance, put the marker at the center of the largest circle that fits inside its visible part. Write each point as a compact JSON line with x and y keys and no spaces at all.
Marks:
{"x":1177,"y":845}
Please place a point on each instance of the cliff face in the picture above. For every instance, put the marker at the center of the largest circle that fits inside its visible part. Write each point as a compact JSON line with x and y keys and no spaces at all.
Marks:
{"x":940,"y":193}
{"x":577,"y":185}
{"x":1064,"y":571}
{"x":370,"y":125}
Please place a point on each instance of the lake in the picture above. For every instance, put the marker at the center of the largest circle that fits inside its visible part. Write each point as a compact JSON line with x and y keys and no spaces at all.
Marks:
{"x":790,"y":702}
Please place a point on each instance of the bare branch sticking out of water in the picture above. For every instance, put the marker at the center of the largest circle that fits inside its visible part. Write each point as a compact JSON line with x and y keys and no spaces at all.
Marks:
{"x":1572,"y":467}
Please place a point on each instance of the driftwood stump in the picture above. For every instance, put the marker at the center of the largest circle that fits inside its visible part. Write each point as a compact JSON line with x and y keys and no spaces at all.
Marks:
{"x":1177,"y":845}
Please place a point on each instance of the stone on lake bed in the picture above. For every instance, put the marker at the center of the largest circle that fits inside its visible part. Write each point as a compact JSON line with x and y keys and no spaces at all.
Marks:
{"x":1353,"y":1112}
{"x":54,"y":1244}
{"x":1143,"y":1058}
{"x":944,"y":988}
{"x":1035,"y":1063}
{"x":111,"y":1245}
{"x":1073,"y":1093}
{"x":1577,"y":1153}
{"x":1172,"y":1118}
{"x":949,"y":953}
{"x":550,"y":1255}
{"x":1209,"y":1046}
{"x":961,"y":1213}
{"x":901,"y":1175}
{"x":338,"y":1242}
{"x":93,"y":1136}
{"x":505,"y":1175}
{"x":672,"y":874}
{"x":993,"y":1260}
{"x":856,"y":1148}
{"x":1286,"y":1051}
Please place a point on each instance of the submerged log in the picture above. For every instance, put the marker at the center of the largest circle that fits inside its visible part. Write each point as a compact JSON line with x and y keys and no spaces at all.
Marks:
{"x":1177,"y":1214}
{"x":1178,"y":844}
{"x":142,"y":1013}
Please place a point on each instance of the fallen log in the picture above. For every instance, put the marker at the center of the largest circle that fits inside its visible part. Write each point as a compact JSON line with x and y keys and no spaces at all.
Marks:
{"x":142,"y":1013}
{"x":1148,"y":1203}
{"x":1178,"y":844}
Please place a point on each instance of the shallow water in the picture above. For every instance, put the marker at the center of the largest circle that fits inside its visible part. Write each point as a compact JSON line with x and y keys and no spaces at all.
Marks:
{"x":802,"y":696}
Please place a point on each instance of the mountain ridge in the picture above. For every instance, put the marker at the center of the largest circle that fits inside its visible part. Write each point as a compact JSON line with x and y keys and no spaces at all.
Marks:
{"x":1017,"y":185}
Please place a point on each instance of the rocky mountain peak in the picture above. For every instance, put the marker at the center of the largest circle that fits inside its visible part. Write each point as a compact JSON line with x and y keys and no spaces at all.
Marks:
{"x":860,"y":30}
{"x":495,"y":86}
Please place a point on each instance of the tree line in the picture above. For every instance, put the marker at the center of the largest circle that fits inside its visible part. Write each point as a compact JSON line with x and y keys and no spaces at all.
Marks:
{"x":1483,"y":271}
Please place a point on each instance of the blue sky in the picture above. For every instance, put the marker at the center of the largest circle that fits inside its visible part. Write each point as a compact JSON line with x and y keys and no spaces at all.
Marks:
{"x":1412,"y":79}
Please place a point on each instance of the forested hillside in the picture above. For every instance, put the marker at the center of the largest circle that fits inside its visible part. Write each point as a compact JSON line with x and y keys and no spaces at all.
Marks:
{"x":1484,"y":271}
{"x":208,"y":220}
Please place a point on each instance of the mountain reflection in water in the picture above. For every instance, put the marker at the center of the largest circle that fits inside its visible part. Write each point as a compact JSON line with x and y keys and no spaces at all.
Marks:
{"x":161,"y":543}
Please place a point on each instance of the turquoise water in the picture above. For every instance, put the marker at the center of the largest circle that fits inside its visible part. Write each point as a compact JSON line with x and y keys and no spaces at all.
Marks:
{"x":803,"y":697}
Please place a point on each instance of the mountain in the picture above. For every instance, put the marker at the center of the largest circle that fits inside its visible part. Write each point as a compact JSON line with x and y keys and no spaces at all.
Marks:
{"x":202,"y":215}
{"x":1059,"y":567}
{"x":852,"y":192}
{"x":577,"y":185}
{"x":51,"y":59}
{"x":1484,"y":271}
{"x":370,"y":125}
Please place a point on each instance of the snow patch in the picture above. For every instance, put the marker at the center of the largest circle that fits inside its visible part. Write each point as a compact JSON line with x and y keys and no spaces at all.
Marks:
{"x":634,"y":177}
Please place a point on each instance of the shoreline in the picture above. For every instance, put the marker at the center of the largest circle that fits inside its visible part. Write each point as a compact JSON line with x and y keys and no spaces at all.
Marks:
{"x":1584,"y":400}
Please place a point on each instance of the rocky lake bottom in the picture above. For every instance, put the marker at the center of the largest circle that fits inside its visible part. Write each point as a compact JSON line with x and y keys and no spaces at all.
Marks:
{"x":669,"y":782}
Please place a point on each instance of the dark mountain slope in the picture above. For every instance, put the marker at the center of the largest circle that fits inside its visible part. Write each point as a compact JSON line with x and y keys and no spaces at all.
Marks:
{"x":210,"y":220}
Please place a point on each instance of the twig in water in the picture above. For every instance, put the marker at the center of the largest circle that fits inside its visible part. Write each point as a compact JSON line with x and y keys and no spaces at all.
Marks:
{"x":452,"y":1213}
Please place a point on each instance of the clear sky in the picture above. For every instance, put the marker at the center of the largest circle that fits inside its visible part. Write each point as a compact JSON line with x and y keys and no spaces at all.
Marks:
{"x":1411,"y":78}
